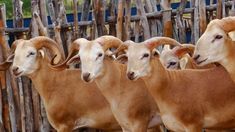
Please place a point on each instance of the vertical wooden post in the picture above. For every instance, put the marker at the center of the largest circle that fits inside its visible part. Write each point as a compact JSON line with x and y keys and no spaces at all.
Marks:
{"x":57,"y":21}
{"x":196,"y":30}
{"x":219,"y":9}
{"x":143,"y":19}
{"x":85,"y":15}
{"x":166,"y":18}
{"x":5,"y":107}
{"x":43,"y":13}
{"x":99,"y":8}
{"x":27,"y":89}
{"x":180,"y":22}
{"x":18,"y":23}
{"x":202,"y":18}
{"x":151,"y":7}
{"x":35,"y":95}
{"x":112,"y":25}
{"x":127,"y":20}
{"x":75,"y":16}
{"x":94,"y":33}
{"x":120,"y":18}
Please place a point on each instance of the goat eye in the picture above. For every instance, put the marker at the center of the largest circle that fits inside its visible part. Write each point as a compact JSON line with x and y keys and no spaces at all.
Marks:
{"x":218,"y":36}
{"x":30,"y":53}
{"x":145,"y":55}
{"x":100,"y":54}
{"x":172,"y":63}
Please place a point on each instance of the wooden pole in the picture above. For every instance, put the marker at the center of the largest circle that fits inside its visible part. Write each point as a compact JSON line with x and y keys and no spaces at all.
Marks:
{"x":166,"y":18}
{"x":127,"y":20}
{"x":219,"y":9}
{"x":85,"y":15}
{"x":99,"y":8}
{"x":5,"y":107}
{"x":180,"y":22}
{"x":196,"y":25}
{"x":112,"y":25}
{"x":120,"y":18}
{"x":75,"y":16}
{"x":143,"y":19}
{"x":202,"y":16}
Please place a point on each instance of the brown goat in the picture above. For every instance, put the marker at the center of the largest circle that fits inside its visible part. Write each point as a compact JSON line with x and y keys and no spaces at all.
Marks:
{"x":131,"y":104}
{"x":69,"y":102}
{"x":189,"y":100}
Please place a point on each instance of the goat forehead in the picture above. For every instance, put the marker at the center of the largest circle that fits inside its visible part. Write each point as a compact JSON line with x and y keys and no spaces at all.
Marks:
{"x":90,"y":50}
{"x":137,"y":50}
{"x":24,"y":48}
{"x":214,"y":28}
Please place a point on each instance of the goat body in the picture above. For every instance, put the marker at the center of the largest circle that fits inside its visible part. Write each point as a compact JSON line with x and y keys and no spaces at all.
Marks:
{"x":193,"y":99}
{"x":70,"y":102}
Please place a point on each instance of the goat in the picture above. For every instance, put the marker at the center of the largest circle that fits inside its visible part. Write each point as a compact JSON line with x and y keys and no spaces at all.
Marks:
{"x":180,"y":57}
{"x":131,"y":104}
{"x":69,"y":102}
{"x":188,"y":100}
{"x":216,"y":46}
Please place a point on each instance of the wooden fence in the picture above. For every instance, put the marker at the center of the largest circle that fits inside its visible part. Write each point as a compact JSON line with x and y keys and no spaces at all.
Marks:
{"x":20,"y":106}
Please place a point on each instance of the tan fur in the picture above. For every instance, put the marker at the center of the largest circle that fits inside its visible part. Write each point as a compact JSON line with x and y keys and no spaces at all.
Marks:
{"x":183,"y":59}
{"x":131,"y":104}
{"x":219,"y":50}
{"x":189,"y":100}
{"x":69,"y":102}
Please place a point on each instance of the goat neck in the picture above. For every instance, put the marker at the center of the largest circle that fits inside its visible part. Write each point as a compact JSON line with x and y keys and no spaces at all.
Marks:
{"x":228,"y":61}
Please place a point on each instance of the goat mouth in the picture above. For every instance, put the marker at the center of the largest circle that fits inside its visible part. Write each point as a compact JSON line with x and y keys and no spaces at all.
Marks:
{"x":200,"y":62}
{"x":18,"y":73}
{"x":88,"y":80}
{"x":133,"y":78}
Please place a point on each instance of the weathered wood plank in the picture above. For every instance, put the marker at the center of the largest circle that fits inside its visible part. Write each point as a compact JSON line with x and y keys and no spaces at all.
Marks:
{"x":43,"y":12}
{"x":120,"y":18}
{"x":84,"y":17}
{"x":127,"y":20}
{"x":143,"y":19}
{"x":75,"y":16}
{"x":219,"y":9}
{"x":112,"y":25}
{"x":152,"y":22}
{"x":196,"y":21}
{"x":180,"y":21}
{"x":166,"y":18}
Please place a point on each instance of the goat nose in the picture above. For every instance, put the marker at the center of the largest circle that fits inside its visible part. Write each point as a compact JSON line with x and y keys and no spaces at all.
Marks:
{"x":130,"y":75}
{"x":196,"y":57}
{"x":86,"y":77}
{"x":15,"y":69}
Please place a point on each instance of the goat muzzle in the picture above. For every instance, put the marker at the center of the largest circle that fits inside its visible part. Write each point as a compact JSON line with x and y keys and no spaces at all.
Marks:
{"x":16,"y":71}
{"x":86,"y":77}
{"x":131,"y":75}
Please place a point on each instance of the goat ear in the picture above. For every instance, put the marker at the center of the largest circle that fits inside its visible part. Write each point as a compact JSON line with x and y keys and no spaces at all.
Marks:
{"x":10,"y":58}
{"x":155,"y":53}
{"x":183,"y":62}
{"x":73,"y":60}
{"x":41,"y":53}
{"x":122,"y":59}
{"x":180,"y":51}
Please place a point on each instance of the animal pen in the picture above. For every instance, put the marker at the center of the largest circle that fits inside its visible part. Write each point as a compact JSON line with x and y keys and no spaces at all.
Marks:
{"x":20,"y":106}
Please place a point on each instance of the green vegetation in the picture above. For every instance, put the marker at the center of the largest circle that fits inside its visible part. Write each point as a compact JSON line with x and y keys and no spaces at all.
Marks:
{"x":9,"y":8}
{"x":27,"y":7}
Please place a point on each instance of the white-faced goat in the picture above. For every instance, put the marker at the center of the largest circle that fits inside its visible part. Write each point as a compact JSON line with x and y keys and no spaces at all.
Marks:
{"x":188,"y":100}
{"x":215,"y":45}
{"x":131,"y":104}
{"x":69,"y":102}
